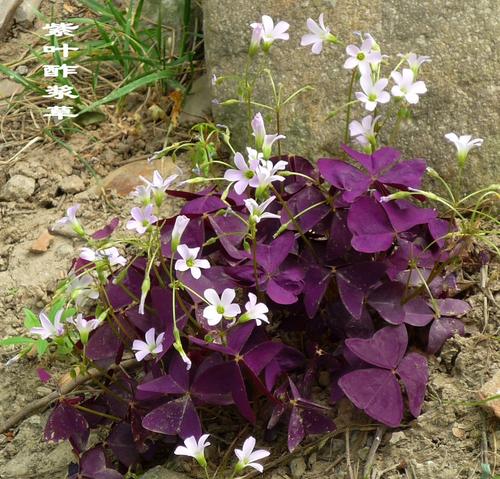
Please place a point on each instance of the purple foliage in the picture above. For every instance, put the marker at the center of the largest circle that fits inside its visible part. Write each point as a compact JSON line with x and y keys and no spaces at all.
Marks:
{"x":344,"y":288}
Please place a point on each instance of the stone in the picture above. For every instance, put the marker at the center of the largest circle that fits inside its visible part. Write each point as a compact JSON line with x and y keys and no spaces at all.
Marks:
{"x":42,"y":243}
{"x":72,"y":184}
{"x":9,"y":88}
{"x":198,"y":104}
{"x":397,"y":437}
{"x":26,"y":12}
{"x":462,"y":78}
{"x":489,"y":389}
{"x":7,"y":13}
{"x":18,"y":187}
{"x":297,"y":467}
{"x":162,"y":472}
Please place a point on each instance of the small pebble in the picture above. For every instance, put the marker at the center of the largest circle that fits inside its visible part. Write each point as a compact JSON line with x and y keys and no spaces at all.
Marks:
{"x":297,"y":467}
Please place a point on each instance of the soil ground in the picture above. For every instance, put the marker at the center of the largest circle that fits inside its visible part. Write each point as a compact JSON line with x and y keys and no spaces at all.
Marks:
{"x":449,"y":440}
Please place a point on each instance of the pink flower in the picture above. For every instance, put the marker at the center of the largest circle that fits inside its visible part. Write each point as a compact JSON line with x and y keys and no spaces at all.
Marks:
{"x":319,"y":34}
{"x":248,"y":457}
{"x":246,"y":174}
{"x":143,"y":219}
{"x":190,"y":262}
{"x":362,"y":57}
{"x":372,"y":94}
{"x":270,"y":32}
{"x":47,"y":328}
{"x":406,"y":86}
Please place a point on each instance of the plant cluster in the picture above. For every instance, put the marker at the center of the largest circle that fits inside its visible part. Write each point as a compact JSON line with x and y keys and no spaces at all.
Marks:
{"x":276,"y":271}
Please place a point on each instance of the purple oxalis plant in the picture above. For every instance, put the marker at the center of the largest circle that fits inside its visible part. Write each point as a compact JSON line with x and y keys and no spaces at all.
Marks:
{"x":254,"y":288}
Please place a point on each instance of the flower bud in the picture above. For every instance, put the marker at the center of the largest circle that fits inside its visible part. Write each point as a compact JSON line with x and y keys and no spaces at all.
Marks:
{"x":259,"y":130}
{"x":255,"y":40}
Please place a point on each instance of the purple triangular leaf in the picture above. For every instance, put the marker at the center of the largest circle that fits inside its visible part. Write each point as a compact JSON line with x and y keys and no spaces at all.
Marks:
{"x":441,"y":330}
{"x":377,"y":392}
{"x":93,"y":465}
{"x":371,"y":229}
{"x":202,"y":205}
{"x":121,"y":442}
{"x":345,"y":177}
{"x":404,"y":215}
{"x":407,"y":174}
{"x":315,"y":285}
{"x":261,"y":355}
{"x":107,"y":231}
{"x":66,"y":423}
{"x":174,"y":417}
{"x":414,"y":373}
{"x":453,"y":307}
{"x":385,"y":349}
{"x":296,"y":430}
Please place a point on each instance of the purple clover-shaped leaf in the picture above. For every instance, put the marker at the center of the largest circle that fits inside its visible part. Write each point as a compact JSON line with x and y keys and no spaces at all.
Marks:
{"x":377,"y":390}
{"x":121,"y":442}
{"x":104,"y":346}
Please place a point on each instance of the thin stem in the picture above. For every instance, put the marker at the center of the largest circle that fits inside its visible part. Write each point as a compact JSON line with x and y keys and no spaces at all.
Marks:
{"x":348,"y":113}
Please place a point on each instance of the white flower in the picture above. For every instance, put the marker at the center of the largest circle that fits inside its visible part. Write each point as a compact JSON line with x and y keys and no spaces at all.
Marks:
{"x":248,"y":457}
{"x":158,"y":186}
{"x":372,"y":93}
{"x":47,"y":328}
{"x":194,"y":449}
{"x":143,"y":194}
{"x":364,"y":132}
{"x":255,"y":311}
{"x":319,"y":34}
{"x":179,"y":226}
{"x":267,"y":172}
{"x":110,"y":254}
{"x":83,"y":326}
{"x":415,"y":61}
{"x":463,"y":143}
{"x":82,"y":288}
{"x":189,"y":261}
{"x":406,"y":86}
{"x":220,"y":307}
{"x":143,"y":219}
{"x":363,"y":57}
{"x":270,"y":32}
{"x":159,"y":183}
{"x":150,"y":346}
{"x":258,"y":212}
{"x":245,"y":175}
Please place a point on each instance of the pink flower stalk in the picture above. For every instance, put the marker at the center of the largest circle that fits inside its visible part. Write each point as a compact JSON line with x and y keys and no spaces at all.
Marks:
{"x":180,"y":225}
{"x":406,"y":87}
{"x":257,"y":31}
{"x":143,"y":219}
{"x":372,"y":94}
{"x":319,"y":34}
{"x":151,"y":345}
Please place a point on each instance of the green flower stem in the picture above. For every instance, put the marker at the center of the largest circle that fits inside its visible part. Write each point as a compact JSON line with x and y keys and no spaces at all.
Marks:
{"x":309,"y":208}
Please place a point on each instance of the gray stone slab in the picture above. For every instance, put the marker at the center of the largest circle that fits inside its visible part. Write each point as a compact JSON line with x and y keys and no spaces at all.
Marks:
{"x":462,"y":79}
{"x":7,"y":12}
